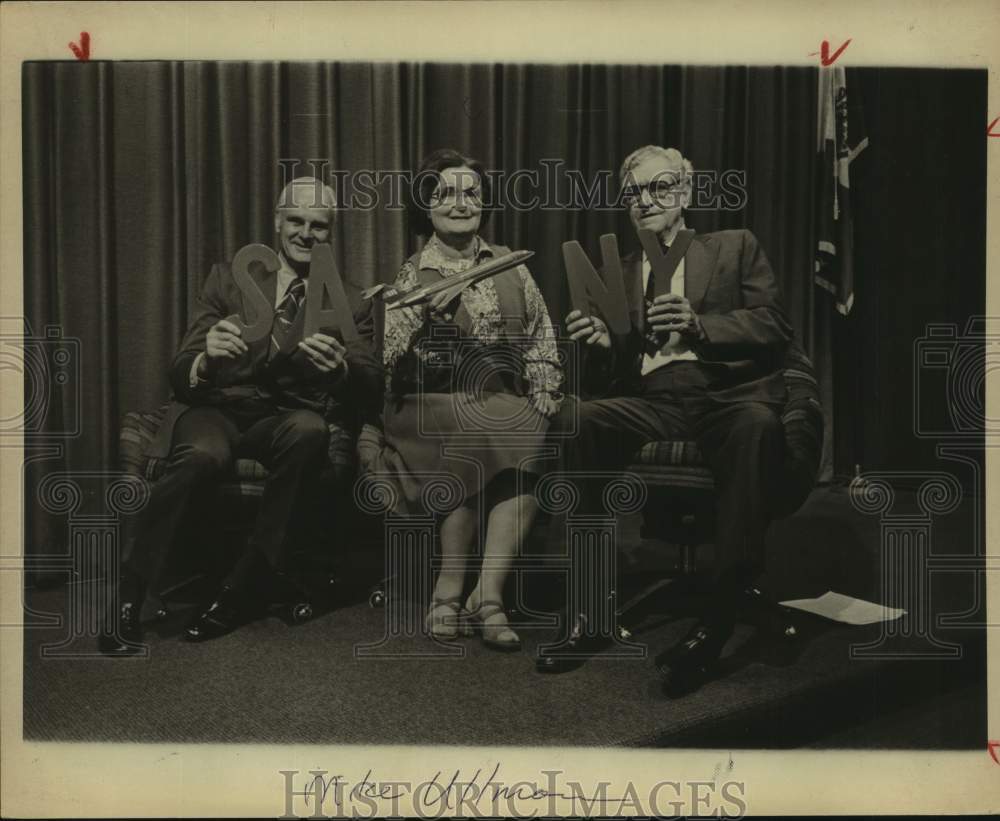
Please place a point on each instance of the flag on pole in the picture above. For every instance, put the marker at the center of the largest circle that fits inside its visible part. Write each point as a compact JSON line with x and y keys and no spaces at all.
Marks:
{"x":837,"y":145}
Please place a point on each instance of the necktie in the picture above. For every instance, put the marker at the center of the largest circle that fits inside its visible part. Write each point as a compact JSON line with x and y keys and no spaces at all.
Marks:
{"x":286,"y":312}
{"x":652,"y":344}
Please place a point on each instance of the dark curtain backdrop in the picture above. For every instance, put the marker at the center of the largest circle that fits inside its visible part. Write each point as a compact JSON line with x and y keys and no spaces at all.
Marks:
{"x":139,"y":176}
{"x":920,"y":252}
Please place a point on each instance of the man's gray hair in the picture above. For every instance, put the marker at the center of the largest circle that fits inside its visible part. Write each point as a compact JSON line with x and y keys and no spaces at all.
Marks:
{"x":671,"y":154}
{"x":321,"y":195}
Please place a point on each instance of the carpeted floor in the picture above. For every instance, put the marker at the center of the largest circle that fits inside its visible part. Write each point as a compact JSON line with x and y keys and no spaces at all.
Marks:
{"x":271,"y":682}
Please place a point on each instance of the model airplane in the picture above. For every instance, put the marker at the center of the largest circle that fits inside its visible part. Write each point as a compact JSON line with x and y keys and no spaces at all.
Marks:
{"x":453,"y":285}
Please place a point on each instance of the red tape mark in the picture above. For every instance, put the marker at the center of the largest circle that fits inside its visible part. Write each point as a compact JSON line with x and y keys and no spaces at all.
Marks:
{"x":993,"y":745}
{"x":81,"y":51}
{"x":989,"y":128}
{"x":825,"y":58}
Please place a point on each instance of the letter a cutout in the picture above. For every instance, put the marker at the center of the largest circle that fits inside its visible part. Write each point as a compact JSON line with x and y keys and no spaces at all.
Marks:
{"x":327,"y":307}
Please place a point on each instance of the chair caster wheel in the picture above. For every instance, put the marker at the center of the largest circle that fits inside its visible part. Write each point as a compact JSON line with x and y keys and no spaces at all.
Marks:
{"x":376,"y":599}
{"x":302,"y":612}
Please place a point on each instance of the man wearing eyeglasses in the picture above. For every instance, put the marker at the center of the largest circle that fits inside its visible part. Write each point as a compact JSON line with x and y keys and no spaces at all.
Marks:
{"x":268,"y":398}
{"x":702,"y":361}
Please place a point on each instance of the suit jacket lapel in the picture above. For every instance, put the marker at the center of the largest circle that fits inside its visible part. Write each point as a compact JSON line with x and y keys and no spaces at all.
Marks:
{"x":699,"y":266}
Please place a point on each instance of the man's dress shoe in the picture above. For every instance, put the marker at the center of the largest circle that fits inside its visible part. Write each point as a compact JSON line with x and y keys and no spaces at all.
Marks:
{"x":573,"y":653}
{"x":124,"y":637}
{"x":774,"y":619}
{"x":688,"y":663}
{"x":299,"y":596}
{"x":229,"y":610}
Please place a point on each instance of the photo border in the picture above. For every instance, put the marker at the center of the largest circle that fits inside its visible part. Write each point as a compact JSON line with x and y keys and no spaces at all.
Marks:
{"x":105,"y":779}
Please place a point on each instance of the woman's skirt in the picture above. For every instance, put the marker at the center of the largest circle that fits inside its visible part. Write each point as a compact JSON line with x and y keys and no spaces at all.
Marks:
{"x":443,"y":448}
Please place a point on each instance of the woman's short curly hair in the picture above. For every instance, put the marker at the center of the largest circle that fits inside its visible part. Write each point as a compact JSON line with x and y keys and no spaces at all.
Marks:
{"x":426,"y":180}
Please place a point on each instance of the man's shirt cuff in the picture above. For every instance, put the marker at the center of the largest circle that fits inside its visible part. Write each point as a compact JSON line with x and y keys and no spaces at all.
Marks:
{"x":194,"y":380}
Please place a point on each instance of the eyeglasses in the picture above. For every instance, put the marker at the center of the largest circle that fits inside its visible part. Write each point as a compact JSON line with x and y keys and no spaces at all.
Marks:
{"x":451,"y":196}
{"x":661,"y":192}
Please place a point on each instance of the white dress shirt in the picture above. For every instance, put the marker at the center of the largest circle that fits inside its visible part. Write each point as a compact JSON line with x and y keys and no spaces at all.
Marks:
{"x":675,"y":349}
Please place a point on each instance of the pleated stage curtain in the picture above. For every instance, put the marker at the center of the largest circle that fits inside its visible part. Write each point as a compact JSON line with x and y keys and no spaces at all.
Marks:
{"x":138,"y":176}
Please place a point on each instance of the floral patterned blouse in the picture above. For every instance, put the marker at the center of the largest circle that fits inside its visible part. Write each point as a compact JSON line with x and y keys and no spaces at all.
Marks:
{"x":402,"y":328}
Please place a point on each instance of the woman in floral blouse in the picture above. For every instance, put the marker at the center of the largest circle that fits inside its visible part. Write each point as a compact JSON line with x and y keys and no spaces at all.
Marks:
{"x":471,"y":386}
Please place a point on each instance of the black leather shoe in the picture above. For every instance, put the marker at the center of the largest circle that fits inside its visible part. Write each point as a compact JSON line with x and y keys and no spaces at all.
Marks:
{"x":124,"y":637}
{"x":686,"y":665}
{"x":229,"y":610}
{"x":774,"y":619}
{"x":300,"y":598}
{"x":577,"y":649}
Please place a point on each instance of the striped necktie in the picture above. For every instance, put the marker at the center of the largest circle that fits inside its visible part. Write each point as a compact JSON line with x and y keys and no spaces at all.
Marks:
{"x":284,"y":315}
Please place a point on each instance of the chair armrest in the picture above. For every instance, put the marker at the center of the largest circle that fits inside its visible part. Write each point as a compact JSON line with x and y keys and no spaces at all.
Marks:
{"x":371,"y":441}
{"x":341,"y":448}
{"x":137,"y":430}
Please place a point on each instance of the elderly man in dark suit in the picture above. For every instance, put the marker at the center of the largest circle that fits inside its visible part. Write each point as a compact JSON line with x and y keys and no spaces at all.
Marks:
{"x":266,"y":398}
{"x":702,"y":361}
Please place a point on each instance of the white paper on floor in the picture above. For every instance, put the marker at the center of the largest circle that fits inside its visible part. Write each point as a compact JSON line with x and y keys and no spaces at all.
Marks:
{"x":846,"y":609}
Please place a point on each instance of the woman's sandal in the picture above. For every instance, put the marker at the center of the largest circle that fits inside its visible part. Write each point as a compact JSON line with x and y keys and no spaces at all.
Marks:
{"x":447,"y":619}
{"x":498,"y":635}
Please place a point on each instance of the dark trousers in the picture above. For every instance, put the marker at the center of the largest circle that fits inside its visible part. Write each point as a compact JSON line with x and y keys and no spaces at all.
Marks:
{"x":742,"y":441}
{"x":289,"y":443}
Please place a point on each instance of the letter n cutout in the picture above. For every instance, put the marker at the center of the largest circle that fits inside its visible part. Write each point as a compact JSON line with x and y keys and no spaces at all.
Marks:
{"x":606,"y":292}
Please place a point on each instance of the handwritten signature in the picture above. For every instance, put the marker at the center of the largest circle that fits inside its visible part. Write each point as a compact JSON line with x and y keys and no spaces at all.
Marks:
{"x":444,"y":792}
